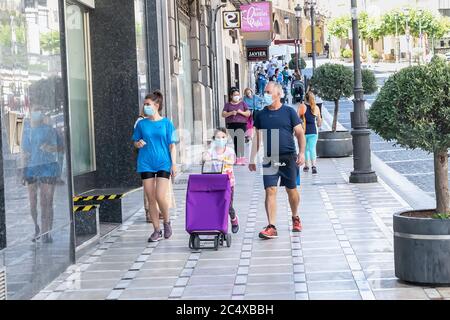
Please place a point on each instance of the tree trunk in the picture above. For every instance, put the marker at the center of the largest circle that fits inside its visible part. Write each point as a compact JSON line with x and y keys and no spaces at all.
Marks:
{"x":441,"y":181}
{"x":335,"y":117}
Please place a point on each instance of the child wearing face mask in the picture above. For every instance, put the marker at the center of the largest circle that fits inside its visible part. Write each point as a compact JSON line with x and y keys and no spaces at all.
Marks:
{"x":220,"y":151}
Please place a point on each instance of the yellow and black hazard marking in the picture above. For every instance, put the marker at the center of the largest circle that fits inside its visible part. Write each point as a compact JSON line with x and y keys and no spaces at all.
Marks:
{"x":84,"y":208}
{"x":98,"y":198}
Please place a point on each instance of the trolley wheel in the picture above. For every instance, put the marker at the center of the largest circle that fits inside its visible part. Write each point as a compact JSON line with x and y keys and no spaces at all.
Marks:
{"x":221,"y":239}
{"x":228,"y":239}
{"x":216,"y":243}
{"x":196,"y":242}
{"x":191,"y":241}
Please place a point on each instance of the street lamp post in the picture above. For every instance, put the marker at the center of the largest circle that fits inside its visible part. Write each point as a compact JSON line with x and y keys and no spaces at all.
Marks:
{"x":286,"y":21}
{"x":362,"y":172}
{"x":312,"y":5}
{"x":298,"y":17}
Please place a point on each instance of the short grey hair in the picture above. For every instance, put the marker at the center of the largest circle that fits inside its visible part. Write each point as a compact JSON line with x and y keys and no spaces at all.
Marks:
{"x":277,"y":86}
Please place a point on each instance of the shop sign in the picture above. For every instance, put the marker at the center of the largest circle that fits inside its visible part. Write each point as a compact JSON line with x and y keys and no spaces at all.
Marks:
{"x":231,"y":19}
{"x":258,"y":54}
{"x":256,"y":17}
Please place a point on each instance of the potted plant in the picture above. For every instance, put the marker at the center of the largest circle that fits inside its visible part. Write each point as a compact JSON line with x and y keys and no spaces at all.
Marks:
{"x":375,"y":56}
{"x":347,"y":54}
{"x":333,"y":82}
{"x":413,"y":110}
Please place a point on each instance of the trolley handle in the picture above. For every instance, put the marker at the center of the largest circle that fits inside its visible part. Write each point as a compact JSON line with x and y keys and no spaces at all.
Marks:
{"x":215,"y":166}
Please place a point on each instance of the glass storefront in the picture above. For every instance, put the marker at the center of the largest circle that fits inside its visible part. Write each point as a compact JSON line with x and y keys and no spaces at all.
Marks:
{"x":35,"y":177}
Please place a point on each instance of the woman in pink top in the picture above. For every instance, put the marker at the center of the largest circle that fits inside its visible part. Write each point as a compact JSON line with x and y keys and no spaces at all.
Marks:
{"x":236,"y":114}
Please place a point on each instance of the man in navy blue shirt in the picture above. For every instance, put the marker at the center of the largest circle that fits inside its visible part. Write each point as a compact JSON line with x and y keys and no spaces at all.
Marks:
{"x":279,"y":123}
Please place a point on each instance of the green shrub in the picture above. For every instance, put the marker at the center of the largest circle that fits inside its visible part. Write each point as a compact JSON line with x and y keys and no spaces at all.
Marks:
{"x":413,"y":110}
{"x":374,"y":54}
{"x":332,"y":82}
{"x":335,"y":81}
{"x":369,"y":81}
{"x":347,"y":53}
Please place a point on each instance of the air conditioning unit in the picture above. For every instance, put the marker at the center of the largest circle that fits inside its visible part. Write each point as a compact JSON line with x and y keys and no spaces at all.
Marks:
{"x":2,"y":283}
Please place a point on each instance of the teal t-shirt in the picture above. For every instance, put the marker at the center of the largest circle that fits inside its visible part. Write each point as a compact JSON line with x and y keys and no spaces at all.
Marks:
{"x":159,"y":135}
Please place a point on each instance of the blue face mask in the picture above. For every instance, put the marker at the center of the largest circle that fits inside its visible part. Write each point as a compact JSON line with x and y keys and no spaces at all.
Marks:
{"x":149,"y":111}
{"x":220,"y":143}
{"x":268,"y":99}
{"x":36,"y":116}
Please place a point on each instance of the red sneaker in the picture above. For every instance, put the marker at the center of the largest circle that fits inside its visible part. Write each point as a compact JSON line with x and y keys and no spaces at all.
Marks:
{"x":270,"y":232}
{"x":296,"y":224}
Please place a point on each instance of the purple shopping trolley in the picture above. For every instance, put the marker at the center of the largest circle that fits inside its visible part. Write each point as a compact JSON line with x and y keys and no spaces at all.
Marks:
{"x":207,"y":208}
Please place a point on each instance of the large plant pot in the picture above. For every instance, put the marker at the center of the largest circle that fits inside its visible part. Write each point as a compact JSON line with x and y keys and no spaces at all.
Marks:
{"x":334,"y":144}
{"x":422,"y":249}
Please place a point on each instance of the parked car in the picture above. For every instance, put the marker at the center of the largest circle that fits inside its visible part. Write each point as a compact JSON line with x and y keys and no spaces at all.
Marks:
{"x":447,"y":55}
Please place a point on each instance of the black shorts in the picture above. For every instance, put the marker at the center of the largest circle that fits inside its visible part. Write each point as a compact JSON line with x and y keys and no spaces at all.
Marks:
{"x":41,"y":180}
{"x":284,"y":168}
{"x":151,"y":175}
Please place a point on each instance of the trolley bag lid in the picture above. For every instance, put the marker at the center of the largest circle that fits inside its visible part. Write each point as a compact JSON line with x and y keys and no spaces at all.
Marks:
{"x":208,"y":182}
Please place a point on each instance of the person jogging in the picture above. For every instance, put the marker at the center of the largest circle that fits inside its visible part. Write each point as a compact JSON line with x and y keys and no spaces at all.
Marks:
{"x":281,"y":162}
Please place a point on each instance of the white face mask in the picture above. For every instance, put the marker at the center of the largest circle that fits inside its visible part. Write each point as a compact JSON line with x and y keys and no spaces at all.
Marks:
{"x":236,"y":98}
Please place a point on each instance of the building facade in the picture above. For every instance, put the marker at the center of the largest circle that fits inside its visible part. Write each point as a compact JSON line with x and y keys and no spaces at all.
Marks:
{"x":73,"y":77}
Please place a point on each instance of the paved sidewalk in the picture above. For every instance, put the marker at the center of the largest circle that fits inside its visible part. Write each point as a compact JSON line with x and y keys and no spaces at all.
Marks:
{"x":344,"y":252}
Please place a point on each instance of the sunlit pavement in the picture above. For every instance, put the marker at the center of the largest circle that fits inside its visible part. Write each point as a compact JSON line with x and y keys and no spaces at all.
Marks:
{"x":344,"y":252}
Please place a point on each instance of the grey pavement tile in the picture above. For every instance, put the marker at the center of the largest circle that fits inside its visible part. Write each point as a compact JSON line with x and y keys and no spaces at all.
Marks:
{"x":242,"y":279}
{"x":339,"y":295}
{"x":341,"y":285}
{"x":163,"y":264}
{"x":215,"y":298}
{"x":376,"y":265}
{"x":152,"y":282}
{"x":88,"y":284}
{"x":331,"y":266}
{"x":215,"y":271}
{"x":401,"y":294}
{"x":320,"y":245}
{"x":444,"y":291}
{"x":114,"y":295}
{"x":337,"y":258}
{"x":329,"y":276}
{"x":320,"y":252}
{"x":238,"y":290}
{"x":211,"y":280}
{"x":270,"y":261}
{"x":389,"y":284}
{"x":85,"y":295}
{"x":100,"y":275}
{"x":41,"y":296}
{"x":116,"y":259}
{"x":193,"y":291}
{"x":158,"y":256}
{"x":122,"y":266}
{"x":166,"y":272}
{"x":177,"y":292}
{"x":380,"y":274}
{"x":276,"y":278}
{"x":275,"y":288}
{"x":160,"y":293}
{"x":301,"y":296}
{"x":203,"y":263}
{"x":253,"y":270}
{"x":270,"y":296}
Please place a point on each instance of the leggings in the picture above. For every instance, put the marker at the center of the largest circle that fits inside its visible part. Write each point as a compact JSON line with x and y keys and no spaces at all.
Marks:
{"x":232,"y":212}
{"x":238,"y":137}
{"x":311,"y":143}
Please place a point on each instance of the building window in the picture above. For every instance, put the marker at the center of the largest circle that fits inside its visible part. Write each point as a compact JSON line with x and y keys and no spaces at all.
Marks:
{"x":79,"y":78}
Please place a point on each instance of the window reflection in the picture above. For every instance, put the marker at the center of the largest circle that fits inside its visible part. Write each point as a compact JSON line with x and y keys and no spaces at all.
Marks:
{"x":36,"y":199}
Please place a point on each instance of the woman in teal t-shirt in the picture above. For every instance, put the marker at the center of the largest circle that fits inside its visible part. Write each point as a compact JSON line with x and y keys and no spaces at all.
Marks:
{"x":154,"y":136}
